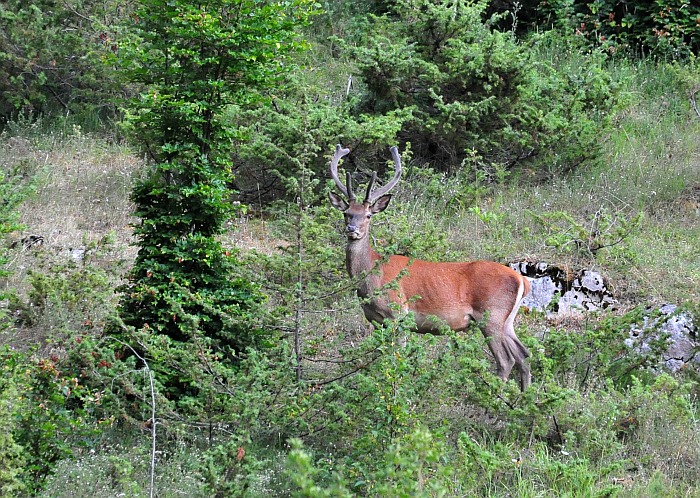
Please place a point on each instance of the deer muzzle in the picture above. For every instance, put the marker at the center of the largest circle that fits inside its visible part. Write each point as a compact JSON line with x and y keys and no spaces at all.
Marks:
{"x":352,"y":231}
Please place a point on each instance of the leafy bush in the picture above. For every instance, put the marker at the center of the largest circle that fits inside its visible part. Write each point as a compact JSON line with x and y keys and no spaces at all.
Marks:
{"x":41,"y":70}
{"x":12,"y":458}
{"x":48,"y":417}
{"x":602,"y":230}
{"x":228,"y":470}
{"x":476,"y":92}
{"x":660,"y":27}
{"x":663,"y":27}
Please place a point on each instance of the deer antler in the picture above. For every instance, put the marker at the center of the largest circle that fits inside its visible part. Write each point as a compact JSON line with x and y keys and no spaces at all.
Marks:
{"x":369,"y":187}
{"x":373,"y":196}
{"x":339,"y":153}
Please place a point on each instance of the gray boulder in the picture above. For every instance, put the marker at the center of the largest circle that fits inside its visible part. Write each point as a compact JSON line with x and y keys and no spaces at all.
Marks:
{"x":559,"y":290}
{"x":679,"y":332}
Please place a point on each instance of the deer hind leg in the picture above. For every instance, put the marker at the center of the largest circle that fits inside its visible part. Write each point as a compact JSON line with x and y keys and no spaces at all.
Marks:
{"x":516,"y":348}
{"x":507,"y":349}
{"x":498,"y":344}
{"x":519,"y":353}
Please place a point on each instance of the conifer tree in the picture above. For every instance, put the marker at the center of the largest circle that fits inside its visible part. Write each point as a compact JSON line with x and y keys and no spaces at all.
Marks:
{"x":195,"y":60}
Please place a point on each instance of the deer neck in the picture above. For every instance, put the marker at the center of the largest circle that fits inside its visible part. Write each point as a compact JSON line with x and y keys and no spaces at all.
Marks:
{"x":360,"y":259}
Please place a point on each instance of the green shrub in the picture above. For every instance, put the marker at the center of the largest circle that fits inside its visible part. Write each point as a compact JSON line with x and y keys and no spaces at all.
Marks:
{"x":12,"y":458}
{"x":476,"y":92}
{"x":42,"y":73}
{"x":229,"y":470}
{"x":48,"y":417}
{"x":591,"y":356}
{"x":667,"y":28}
{"x":662,"y":27}
{"x":310,"y":114}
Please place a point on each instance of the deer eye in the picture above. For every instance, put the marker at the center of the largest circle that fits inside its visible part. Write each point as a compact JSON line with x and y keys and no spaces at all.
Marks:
{"x":369,"y":216}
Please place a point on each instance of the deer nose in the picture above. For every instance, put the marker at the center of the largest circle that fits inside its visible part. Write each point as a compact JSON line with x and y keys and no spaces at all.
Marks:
{"x":351,"y":228}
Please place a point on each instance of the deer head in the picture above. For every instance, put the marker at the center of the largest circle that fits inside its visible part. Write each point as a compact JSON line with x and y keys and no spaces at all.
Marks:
{"x":358,"y":214}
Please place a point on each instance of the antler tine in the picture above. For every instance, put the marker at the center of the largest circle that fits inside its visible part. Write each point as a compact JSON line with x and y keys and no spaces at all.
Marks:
{"x":339,"y":153}
{"x":348,"y":182}
{"x":368,"y":195}
{"x":373,"y":196}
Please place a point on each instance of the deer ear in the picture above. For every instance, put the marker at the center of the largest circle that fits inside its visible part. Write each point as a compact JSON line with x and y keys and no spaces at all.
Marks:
{"x":338,"y":202}
{"x":381,"y":204}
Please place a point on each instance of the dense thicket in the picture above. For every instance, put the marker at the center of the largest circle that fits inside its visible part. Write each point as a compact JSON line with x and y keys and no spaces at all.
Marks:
{"x":57,"y":58}
{"x":478,"y":97}
{"x":665,"y":28}
{"x":195,"y":62}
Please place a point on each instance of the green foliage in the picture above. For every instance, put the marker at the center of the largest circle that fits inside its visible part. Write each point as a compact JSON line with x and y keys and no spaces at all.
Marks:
{"x":310,"y":114}
{"x":195,"y":62}
{"x":476,"y":92}
{"x":380,"y":404}
{"x":121,"y":471}
{"x":445,"y":64}
{"x":664,"y":27}
{"x":55,"y":58}
{"x":598,"y":354}
{"x":304,"y":475}
{"x":661,"y":27}
{"x":229,"y":470}
{"x":569,"y":103}
{"x":688,"y":79}
{"x":600,"y":231}
{"x":67,"y":297}
{"x":47,"y":417}
{"x":372,"y":403}
{"x":410,"y":466}
{"x":587,"y":418}
{"x":12,"y":459}
{"x":15,"y":186}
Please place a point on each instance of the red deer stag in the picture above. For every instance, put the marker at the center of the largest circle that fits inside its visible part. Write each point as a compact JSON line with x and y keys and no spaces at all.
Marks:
{"x":451,"y":293}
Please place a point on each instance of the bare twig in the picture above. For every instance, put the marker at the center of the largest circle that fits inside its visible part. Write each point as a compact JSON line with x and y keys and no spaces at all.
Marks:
{"x":78,"y":14}
{"x":362,"y":366}
{"x":694,"y":103}
{"x":342,"y":362}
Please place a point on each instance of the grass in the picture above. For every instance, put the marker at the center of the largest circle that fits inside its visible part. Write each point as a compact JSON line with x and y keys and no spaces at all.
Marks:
{"x":81,"y":212}
{"x":650,"y":166}
{"x":83,"y":187}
